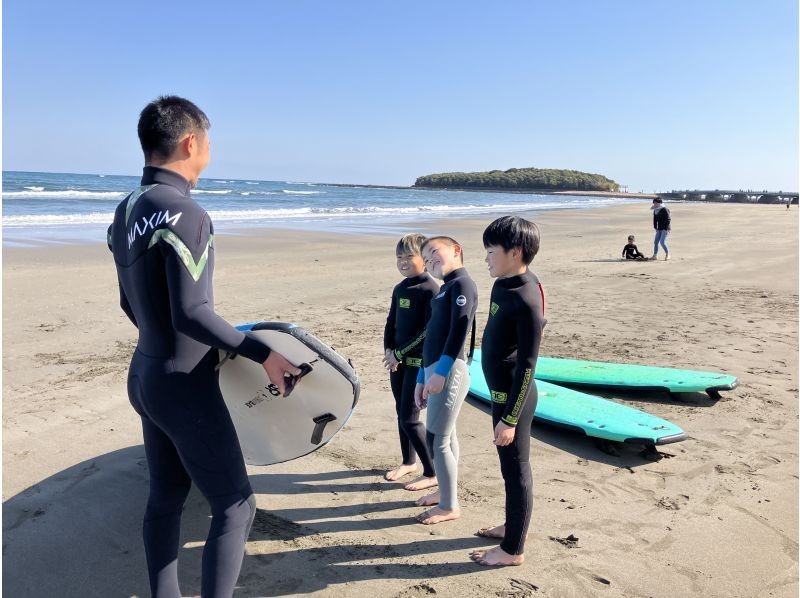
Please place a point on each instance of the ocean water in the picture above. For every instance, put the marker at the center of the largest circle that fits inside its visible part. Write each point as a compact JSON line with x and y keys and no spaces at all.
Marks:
{"x":74,"y":208}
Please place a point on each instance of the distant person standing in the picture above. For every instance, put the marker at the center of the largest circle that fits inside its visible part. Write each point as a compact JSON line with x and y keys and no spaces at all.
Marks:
{"x":662,"y":223}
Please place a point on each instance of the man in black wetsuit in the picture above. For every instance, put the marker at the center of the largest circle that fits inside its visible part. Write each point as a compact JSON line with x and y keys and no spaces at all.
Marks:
{"x":163,"y":246}
{"x":509,"y":350}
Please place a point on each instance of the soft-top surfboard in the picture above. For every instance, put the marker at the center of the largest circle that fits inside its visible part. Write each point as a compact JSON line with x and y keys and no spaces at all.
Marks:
{"x":625,"y":376}
{"x":587,"y":414}
{"x":274,"y":428}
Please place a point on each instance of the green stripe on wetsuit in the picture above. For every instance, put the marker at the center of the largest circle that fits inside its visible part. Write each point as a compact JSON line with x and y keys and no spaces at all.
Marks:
{"x":195,"y":269}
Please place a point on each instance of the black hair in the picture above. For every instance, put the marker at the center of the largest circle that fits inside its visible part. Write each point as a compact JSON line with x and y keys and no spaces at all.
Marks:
{"x":658,"y":200}
{"x":447,"y":241}
{"x":512,"y":231}
{"x":163,"y":123}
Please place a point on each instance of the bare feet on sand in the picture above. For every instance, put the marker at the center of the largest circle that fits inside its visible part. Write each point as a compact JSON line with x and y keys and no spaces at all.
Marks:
{"x":421,"y":483}
{"x":496,"y":557}
{"x":437,"y":515}
{"x":399,"y":472}
{"x":428,"y":500}
{"x":498,"y":532}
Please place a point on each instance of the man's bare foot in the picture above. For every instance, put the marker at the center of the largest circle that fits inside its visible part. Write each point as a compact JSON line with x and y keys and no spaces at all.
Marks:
{"x":421,"y":483}
{"x":428,"y":500}
{"x":498,"y":532}
{"x":496,"y":557}
{"x":399,"y":472}
{"x":437,"y":515}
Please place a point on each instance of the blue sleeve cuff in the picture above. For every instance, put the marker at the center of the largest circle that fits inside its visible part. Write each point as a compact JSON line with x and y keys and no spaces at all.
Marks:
{"x":421,"y":376}
{"x":444,"y":365}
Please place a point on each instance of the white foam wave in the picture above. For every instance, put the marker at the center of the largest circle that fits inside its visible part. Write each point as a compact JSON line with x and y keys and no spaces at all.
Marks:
{"x":276,"y":214}
{"x":211,"y":191}
{"x":59,"y":219}
{"x":35,"y":188}
{"x":251,"y":183}
{"x":291,"y":192}
{"x":34,"y":194}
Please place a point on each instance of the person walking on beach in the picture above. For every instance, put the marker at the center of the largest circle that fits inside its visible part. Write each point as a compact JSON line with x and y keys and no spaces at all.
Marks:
{"x":662,"y":224}
{"x":510,"y":349}
{"x":163,"y":247}
{"x":403,"y":337}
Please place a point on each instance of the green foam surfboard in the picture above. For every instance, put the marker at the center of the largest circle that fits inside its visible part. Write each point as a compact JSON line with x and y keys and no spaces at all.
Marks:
{"x":590,"y":415}
{"x":638,"y":377}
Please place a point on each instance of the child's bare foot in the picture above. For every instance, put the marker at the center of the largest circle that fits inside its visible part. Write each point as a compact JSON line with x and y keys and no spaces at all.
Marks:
{"x":428,"y":500}
{"x":399,"y":472}
{"x":498,"y":532}
{"x":496,"y":557}
{"x":437,"y":515}
{"x":421,"y":483}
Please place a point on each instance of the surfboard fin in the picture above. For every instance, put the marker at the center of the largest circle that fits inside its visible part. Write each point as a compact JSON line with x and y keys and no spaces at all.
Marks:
{"x":321,"y":421}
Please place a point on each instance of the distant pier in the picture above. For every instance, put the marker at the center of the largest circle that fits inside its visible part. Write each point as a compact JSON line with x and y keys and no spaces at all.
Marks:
{"x":740,"y":196}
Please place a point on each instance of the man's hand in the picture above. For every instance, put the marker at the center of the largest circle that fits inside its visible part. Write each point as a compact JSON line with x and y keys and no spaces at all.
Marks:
{"x":420,"y":401}
{"x":390,"y":361}
{"x":433,"y":386}
{"x":277,"y":368}
{"x":503,"y":434}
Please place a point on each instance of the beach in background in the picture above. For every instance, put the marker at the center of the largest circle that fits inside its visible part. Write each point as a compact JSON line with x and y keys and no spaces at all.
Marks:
{"x":716,"y":516}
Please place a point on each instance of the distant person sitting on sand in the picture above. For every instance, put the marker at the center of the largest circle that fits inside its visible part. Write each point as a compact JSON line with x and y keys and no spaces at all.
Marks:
{"x":662,"y":223}
{"x":403,"y":337}
{"x":631,"y":252}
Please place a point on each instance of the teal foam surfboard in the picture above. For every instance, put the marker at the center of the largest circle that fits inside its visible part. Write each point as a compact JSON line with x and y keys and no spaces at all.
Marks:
{"x":624,"y":376}
{"x":587,"y":414}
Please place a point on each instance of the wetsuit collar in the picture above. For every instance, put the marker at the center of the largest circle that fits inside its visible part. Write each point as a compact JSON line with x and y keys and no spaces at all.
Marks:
{"x":152,"y":175}
{"x":417,"y":279}
{"x":455,"y":274}
{"x":515,"y":281}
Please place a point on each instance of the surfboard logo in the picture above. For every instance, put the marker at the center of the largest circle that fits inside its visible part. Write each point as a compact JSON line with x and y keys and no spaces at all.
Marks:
{"x":461,"y":300}
{"x":405,"y":303}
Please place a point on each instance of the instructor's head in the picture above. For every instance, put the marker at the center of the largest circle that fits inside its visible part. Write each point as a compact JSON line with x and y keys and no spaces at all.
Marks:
{"x":174,"y":135}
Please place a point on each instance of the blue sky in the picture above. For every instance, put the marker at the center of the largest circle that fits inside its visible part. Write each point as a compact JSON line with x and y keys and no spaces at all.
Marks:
{"x":654,"y":94}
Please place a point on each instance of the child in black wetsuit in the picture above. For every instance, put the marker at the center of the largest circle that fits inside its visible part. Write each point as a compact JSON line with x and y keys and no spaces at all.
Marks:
{"x":509,"y":351}
{"x":402,"y":342}
{"x":631,"y":252}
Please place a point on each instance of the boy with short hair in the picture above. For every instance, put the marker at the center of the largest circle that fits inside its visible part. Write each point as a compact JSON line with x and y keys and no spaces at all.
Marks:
{"x":509,"y":351}
{"x":403,"y":338}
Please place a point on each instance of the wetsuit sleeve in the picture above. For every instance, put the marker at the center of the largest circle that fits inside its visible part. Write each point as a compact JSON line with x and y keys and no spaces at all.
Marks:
{"x":530,"y":322}
{"x":463,"y":300}
{"x":186,"y":263}
{"x":388,"y":331}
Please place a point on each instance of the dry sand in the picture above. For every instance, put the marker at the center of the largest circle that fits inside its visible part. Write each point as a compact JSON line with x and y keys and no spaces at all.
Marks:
{"x":716,"y":517}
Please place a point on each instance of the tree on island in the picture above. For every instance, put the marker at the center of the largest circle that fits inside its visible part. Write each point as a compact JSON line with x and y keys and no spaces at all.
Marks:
{"x":521,"y":178}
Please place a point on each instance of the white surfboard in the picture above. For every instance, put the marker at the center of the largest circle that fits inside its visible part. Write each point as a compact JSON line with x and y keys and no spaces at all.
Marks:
{"x":274,"y":428}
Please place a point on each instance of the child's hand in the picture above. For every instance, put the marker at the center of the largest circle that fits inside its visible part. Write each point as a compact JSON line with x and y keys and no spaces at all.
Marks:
{"x":390,"y":361}
{"x":434,"y":385}
{"x":420,"y":401}
{"x":503,"y":434}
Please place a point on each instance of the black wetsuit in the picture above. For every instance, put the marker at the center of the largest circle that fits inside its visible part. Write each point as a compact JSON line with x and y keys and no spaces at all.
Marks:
{"x":405,"y":335}
{"x":509,"y":351}
{"x":631,"y":252}
{"x":452,"y":313}
{"x":163,"y":245}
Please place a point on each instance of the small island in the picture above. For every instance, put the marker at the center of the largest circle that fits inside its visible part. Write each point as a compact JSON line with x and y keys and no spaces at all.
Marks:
{"x":519,"y":179}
